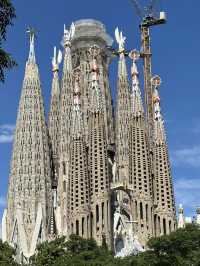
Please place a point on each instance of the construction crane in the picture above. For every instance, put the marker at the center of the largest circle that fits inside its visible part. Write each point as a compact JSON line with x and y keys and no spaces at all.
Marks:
{"x":149,"y":19}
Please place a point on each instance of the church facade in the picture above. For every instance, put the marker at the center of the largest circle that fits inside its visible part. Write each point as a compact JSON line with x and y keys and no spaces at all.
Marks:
{"x":89,"y":170}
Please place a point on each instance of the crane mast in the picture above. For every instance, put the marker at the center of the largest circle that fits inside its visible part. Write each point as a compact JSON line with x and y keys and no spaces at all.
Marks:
{"x":149,"y":19}
{"x":146,"y":55}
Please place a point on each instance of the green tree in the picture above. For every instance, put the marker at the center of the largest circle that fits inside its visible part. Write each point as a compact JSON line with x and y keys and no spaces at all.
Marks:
{"x":6,"y":255}
{"x":7,"y":14}
{"x":75,"y":252}
{"x":180,"y":248}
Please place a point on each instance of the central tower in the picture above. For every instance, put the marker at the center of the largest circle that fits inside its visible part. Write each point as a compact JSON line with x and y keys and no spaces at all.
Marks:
{"x":84,"y":180}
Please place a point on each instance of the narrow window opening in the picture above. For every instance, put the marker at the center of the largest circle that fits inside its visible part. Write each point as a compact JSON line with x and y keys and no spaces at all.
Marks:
{"x":77,"y":227}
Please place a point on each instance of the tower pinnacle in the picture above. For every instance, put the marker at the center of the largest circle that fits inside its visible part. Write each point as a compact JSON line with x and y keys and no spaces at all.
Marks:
{"x":159,"y":123}
{"x":136,"y":99}
{"x":122,"y":111}
{"x":29,"y":193}
{"x":32,"y":34}
{"x":56,"y":60}
{"x":165,"y":217}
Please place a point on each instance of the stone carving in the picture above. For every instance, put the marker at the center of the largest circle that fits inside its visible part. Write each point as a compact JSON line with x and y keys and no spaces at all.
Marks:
{"x":68,"y":35}
{"x":120,"y":39}
{"x":57,"y":59}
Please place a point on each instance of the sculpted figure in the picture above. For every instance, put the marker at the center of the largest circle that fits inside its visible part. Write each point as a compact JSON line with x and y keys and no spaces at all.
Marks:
{"x":120,"y":39}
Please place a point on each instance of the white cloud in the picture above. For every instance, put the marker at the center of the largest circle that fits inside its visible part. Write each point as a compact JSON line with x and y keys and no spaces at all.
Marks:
{"x":6,"y":133}
{"x":187,"y":192}
{"x":186,"y":157}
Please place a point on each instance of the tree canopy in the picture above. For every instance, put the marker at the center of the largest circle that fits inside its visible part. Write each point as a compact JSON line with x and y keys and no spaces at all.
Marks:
{"x":7,"y":14}
{"x":179,"y":248}
{"x":6,"y":255}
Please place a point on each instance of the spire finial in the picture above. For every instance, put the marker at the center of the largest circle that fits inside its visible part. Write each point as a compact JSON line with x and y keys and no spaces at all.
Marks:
{"x":32,"y":34}
{"x":56,"y":60}
{"x":159,"y":123}
{"x":156,"y":82}
{"x":134,"y":55}
{"x":120,"y":40}
{"x":136,"y":93}
{"x":68,"y":35}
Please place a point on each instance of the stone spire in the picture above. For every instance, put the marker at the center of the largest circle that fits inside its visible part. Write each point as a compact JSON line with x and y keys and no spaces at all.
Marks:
{"x":164,"y":218}
{"x":181,"y":218}
{"x":78,"y":199}
{"x":54,"y":114}
{"x":66,"y":102}
{"x":54,"y":130}
{"x":122,"y":112}
{"x":29,"y":193}
{"x":139,"y":167}
{"x":98,"y":158}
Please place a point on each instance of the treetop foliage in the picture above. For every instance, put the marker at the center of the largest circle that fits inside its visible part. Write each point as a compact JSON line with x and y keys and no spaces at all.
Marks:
{"x":6,"y":255}
{"x":7,"y":14}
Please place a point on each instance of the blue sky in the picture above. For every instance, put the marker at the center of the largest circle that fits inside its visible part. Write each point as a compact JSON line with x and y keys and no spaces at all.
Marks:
{"x":175,"y":58}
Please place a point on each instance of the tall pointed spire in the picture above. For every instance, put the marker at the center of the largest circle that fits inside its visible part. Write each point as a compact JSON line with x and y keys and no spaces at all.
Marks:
{"x":122,"y":111}
{"x":78,"y":205}
{"x":67,"y":38}
{"x":165,"y":217}
{"x":139,"y":167}
{"x":54,"y":113}
{"x":66,"y":105}
{"x":98,"y":157}
{"x":29,"y":194}
{"x":54,"y":130}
